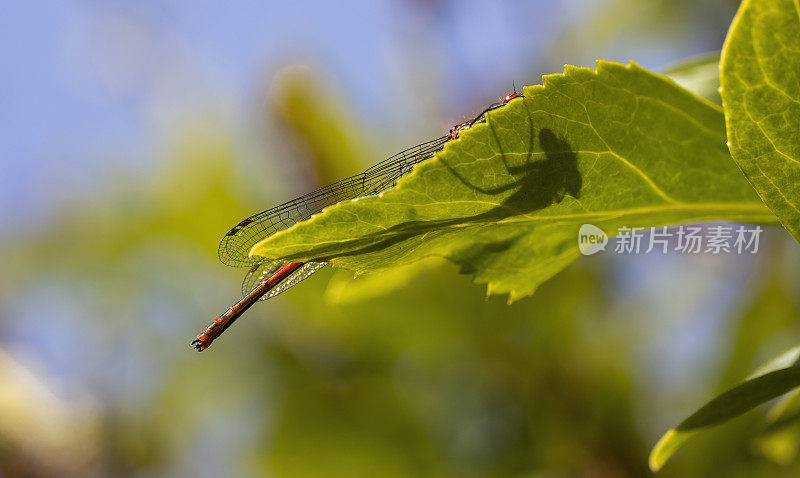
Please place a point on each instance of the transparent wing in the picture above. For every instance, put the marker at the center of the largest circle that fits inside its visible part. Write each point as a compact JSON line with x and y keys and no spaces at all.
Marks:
{"x":295,"y":278}
{"x":234,"y":249}
{"x":260,"y":271}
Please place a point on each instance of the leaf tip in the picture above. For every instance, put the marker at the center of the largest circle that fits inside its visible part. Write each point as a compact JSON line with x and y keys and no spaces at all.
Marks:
{"x":602,"y":66}
{"x":632,"y":65}
{"x":661,"y":451}
{"x":599,"y":64}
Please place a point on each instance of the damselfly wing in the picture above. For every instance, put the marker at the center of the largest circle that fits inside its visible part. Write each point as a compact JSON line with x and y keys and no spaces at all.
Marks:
{"x":234,"y":249}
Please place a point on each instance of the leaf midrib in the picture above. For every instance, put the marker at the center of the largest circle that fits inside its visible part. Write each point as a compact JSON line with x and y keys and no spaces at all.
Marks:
{"x":699,"y":208}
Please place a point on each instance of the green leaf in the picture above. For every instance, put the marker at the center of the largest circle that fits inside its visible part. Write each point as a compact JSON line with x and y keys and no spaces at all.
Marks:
{"x":699,"y":74}
{"x":779,"y":376}
{"x":760,"y":78}
{"x":619,"y":146}
{"x":343,"y":288}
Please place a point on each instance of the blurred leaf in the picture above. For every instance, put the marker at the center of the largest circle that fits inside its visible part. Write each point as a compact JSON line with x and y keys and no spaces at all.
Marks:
{"x":619,"y":146}
{"x":779,"y":376}
{"x":771,"y":312}
{"x":761,"y":94}
{"x":780,"y":441}
{"x":785,"y":410}
{"x":318,"y":124}
{"x":700,"y":75}
{"x":435,"y":380}
{"x":779,"y":446}
{"x":322,"y":427}
{"x":343,"y":289}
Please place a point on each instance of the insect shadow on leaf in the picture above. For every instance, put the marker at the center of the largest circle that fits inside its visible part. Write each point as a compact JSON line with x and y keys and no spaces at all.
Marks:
{"x":535,"y":184}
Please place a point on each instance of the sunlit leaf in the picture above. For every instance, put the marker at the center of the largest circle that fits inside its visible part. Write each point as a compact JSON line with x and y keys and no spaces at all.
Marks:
{"x":615,"y":147}
{"x":760,"y":78}
{"x":779,"y":376}
{"x":343,"y":289}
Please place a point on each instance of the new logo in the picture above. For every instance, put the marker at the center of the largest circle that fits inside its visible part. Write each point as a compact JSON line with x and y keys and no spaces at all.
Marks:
{"x":591,"y":239}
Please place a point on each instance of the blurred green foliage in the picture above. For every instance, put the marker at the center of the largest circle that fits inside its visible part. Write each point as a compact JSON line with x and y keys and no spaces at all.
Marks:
{"x":409,"y":373}
{"x":425,"y":377}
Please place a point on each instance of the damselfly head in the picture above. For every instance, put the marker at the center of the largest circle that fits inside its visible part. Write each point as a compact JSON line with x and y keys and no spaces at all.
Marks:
{"x":511,"y":96}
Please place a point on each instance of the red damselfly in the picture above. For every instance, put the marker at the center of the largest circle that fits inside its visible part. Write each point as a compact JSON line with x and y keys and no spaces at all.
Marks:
{"x":269,"y":277}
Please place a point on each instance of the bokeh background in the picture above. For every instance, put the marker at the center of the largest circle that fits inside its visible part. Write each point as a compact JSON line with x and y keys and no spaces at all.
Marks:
{"x":134,"y":134}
